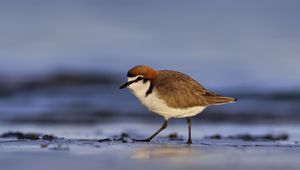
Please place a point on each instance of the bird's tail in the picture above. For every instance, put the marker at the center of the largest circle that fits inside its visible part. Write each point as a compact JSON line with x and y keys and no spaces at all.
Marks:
{"x":218,"y":100}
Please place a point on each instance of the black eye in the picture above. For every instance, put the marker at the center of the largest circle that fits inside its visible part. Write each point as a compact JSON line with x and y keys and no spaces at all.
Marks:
{"x":139,"y":78}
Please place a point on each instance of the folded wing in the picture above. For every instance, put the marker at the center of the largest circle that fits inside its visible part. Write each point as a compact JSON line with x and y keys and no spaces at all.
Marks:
{"x":185,"y":92}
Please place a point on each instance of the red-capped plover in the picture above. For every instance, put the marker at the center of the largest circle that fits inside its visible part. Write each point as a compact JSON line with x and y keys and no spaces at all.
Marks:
{"x":171,"y":94}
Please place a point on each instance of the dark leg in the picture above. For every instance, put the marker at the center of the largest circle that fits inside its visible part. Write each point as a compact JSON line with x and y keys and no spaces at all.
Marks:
{"x":189,"y":121}
{"x":157,"y":132}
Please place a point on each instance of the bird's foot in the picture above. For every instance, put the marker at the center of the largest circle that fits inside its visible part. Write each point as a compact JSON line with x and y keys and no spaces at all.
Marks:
{"x":189,"y":142}
{"x":142,"y":140}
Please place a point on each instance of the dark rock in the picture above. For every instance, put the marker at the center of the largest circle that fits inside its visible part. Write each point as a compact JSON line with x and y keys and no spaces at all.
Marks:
{"x":216,"y":136}
{"x":12,"y":135}
{"x":30,"y":136}
{"x":249,"y":137}
{"x":173,"y":136}
{"x":20,"y":135}
{"x":124,"y":135}
{"x":48,"y":137}
{"x":266,"y":137}
{"x":105,"y":140}
{"x":124,"y":138}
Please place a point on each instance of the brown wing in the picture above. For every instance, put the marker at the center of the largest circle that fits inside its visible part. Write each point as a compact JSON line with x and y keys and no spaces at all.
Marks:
{"x":181,"y":91}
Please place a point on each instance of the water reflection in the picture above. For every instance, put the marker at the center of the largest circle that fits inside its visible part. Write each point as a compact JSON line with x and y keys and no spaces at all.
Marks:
{"x":158,"y":152}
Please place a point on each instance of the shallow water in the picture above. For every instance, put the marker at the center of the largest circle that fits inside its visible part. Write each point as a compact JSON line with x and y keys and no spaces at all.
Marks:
{"x":77,"y":147}
{"x":120,"y":156}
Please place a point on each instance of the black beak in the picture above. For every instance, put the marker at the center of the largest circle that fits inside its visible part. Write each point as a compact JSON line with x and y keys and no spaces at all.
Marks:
{"x":124,"y":85}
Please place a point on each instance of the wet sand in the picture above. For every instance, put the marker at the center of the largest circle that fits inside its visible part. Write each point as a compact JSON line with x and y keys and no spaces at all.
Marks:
{"x":204,"y":154}
{"x":107,"y":146}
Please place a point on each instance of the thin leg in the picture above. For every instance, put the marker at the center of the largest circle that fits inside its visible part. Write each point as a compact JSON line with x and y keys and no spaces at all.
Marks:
{"x":189,"y":121}
{"x":156,"y":133}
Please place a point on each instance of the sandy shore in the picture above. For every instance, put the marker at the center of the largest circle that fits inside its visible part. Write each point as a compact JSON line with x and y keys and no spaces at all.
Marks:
{"x":73,"y":148}
{"x":204,"y":154}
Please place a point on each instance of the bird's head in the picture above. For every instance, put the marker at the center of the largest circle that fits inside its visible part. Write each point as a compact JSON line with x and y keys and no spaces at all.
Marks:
{"x":139,"y":74}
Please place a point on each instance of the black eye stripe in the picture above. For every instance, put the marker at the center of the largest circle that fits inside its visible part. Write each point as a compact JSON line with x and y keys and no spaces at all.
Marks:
{"x":139,"y":78}
{"x":136,"y":80}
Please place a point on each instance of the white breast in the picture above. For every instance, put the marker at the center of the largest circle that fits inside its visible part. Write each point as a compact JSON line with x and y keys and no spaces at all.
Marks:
{"x":155,"y":104}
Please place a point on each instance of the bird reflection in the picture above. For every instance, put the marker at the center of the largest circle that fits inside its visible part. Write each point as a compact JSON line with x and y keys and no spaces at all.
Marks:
{"x":163,"y":152}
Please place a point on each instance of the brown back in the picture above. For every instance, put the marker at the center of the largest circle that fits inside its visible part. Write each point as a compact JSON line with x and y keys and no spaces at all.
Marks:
{"x":181,"y":91}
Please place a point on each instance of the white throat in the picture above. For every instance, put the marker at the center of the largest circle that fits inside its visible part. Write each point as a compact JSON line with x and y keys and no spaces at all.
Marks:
{"x":140,"y":88}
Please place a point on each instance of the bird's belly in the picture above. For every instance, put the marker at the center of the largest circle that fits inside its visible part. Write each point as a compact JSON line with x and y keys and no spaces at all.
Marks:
{"x":159,"y":106}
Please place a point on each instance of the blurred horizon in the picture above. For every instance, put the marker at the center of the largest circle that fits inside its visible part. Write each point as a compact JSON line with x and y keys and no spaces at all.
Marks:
{"x":220,"y":44}
{"x":65,"y":57}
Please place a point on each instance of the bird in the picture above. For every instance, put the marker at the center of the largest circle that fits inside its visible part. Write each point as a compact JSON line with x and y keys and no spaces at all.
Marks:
{"x":170,"y":94}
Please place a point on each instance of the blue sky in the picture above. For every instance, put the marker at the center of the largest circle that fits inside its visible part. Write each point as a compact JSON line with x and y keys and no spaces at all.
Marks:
{"x":221,"y":43}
